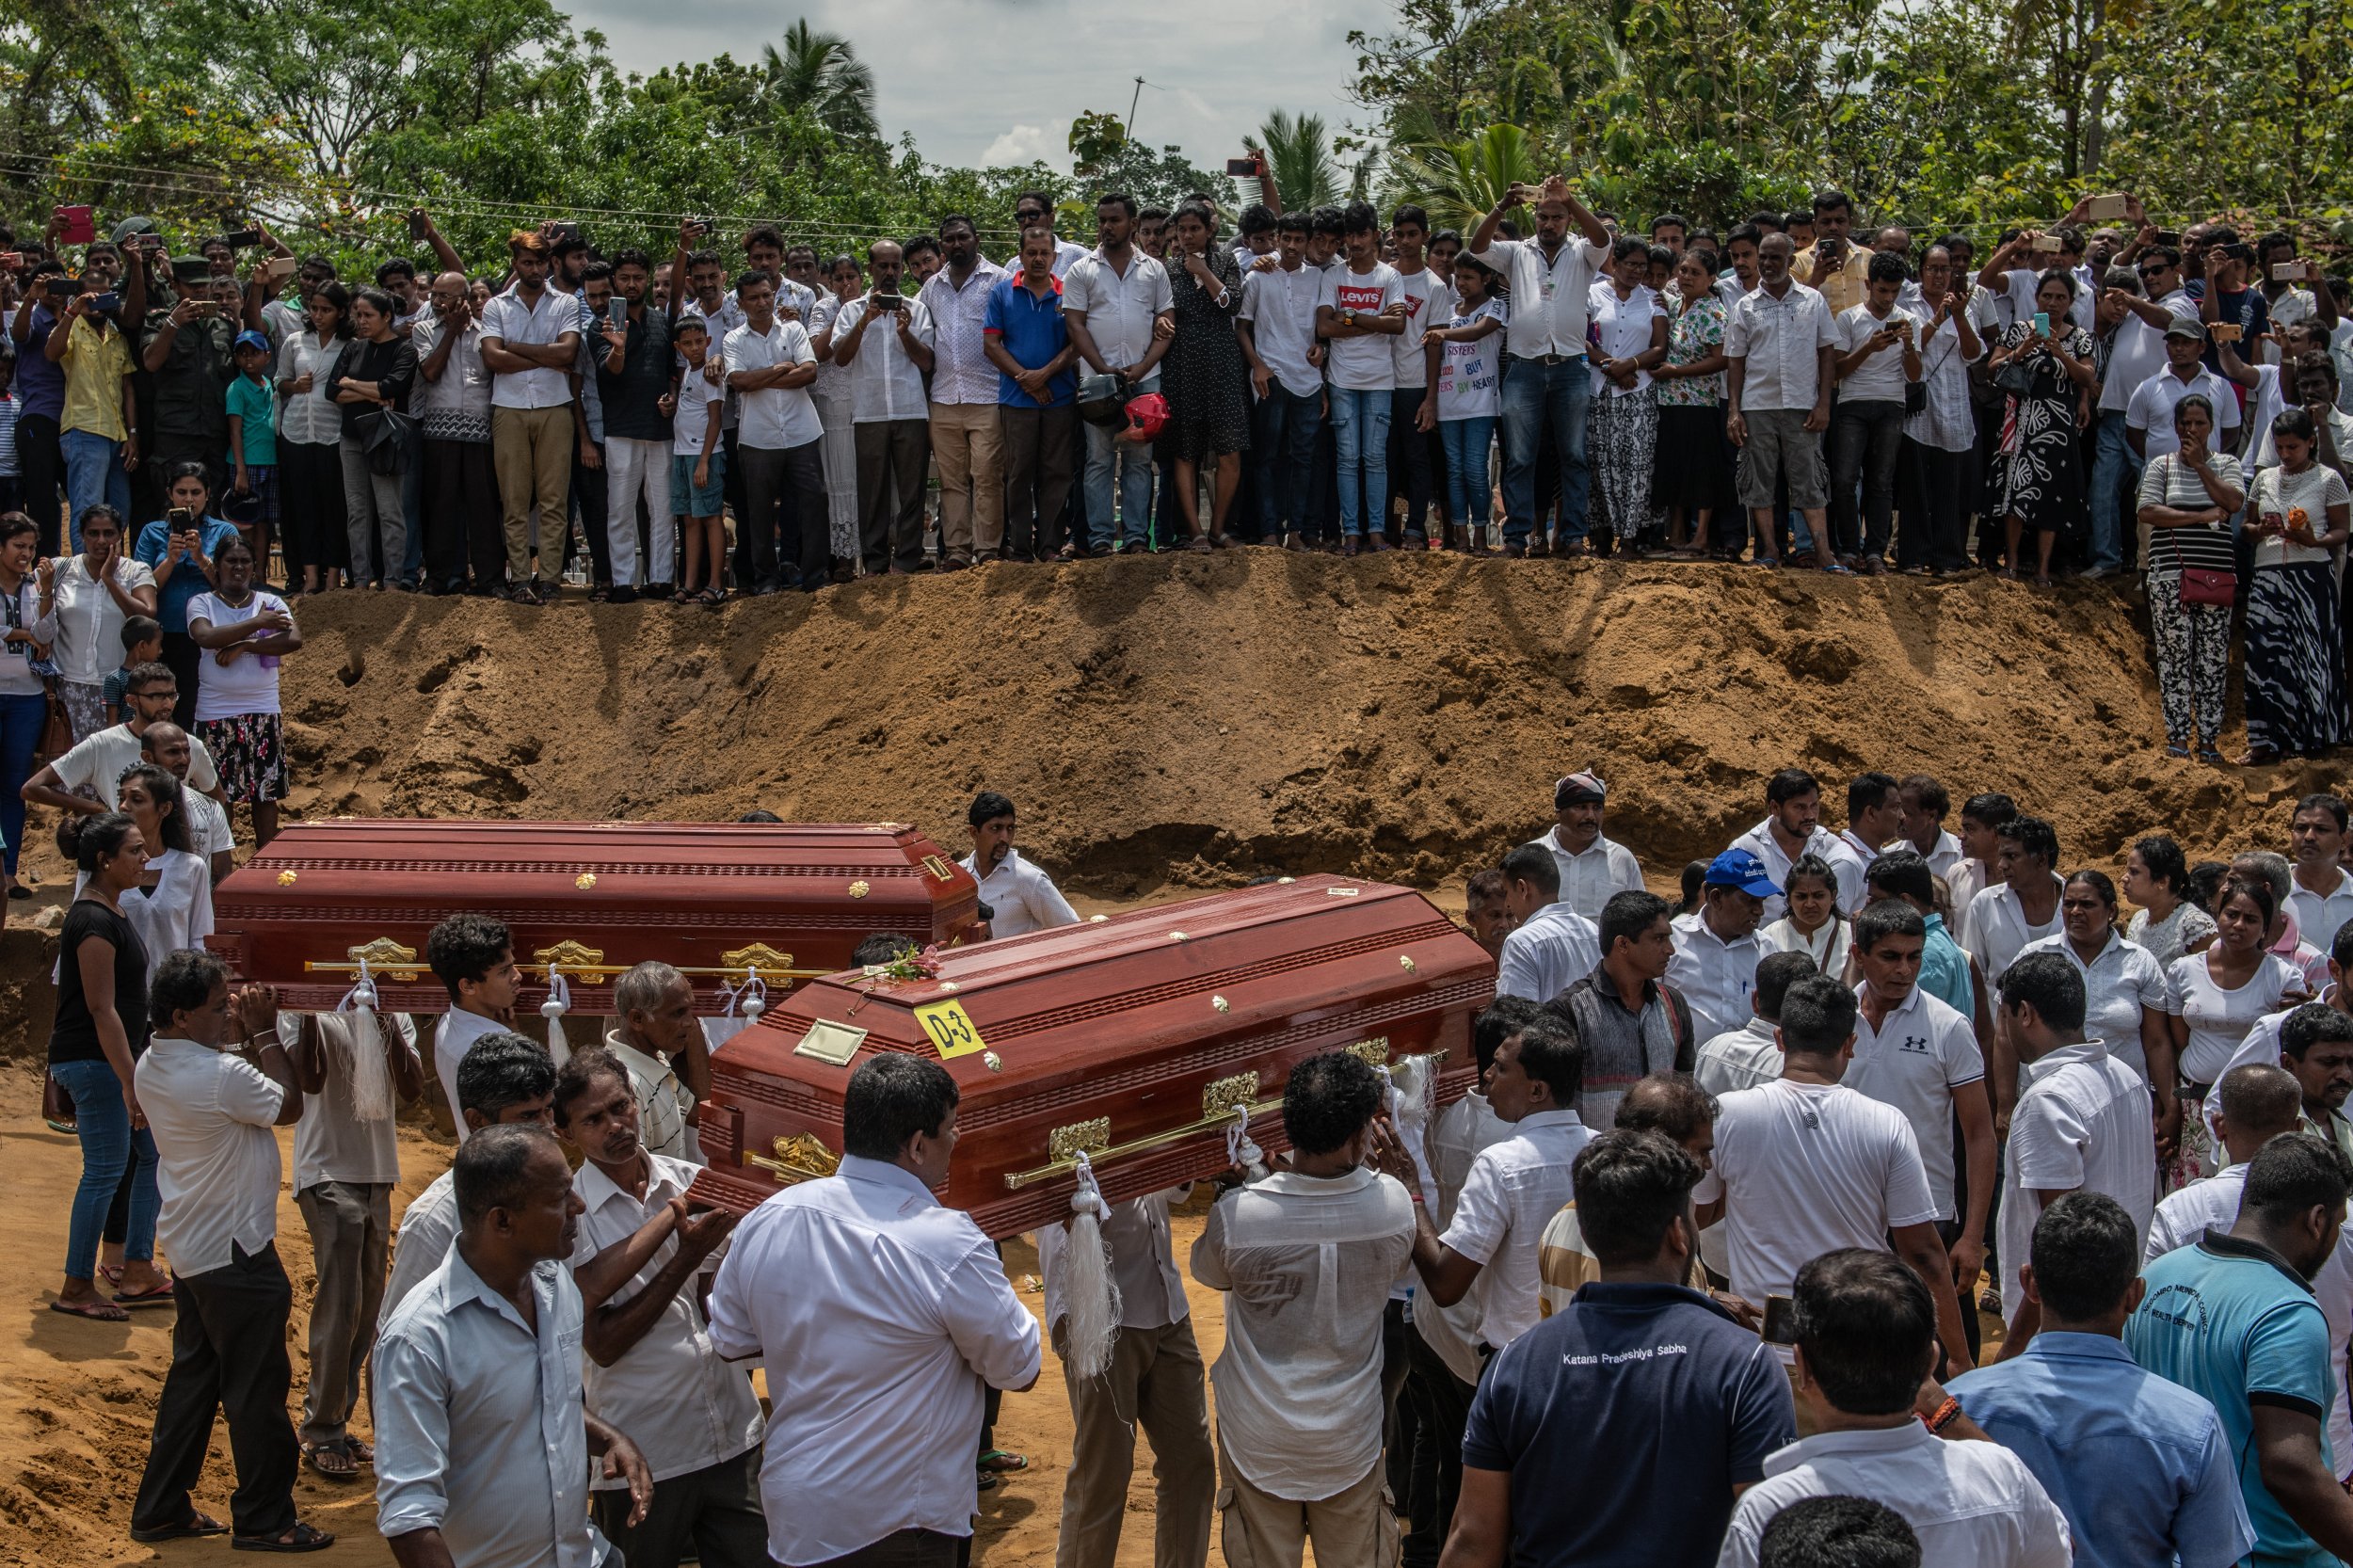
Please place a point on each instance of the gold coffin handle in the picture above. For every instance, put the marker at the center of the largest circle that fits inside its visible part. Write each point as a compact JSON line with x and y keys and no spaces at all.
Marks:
{"x":799,"y":1157}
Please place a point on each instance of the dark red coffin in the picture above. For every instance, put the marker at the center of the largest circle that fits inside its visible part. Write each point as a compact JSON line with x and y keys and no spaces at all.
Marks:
{"x":715,"y":899}
{"x":1132,"y":1037}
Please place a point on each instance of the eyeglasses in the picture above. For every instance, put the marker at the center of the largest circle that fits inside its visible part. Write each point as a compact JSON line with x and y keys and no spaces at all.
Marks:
{"x":2151,"y":270}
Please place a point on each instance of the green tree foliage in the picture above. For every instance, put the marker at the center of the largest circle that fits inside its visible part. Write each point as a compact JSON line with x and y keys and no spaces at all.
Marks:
{"x":821,"y":75}
{"x":1299,"y":153}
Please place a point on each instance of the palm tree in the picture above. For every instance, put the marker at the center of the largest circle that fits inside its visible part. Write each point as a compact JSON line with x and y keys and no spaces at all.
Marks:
{"x":822,"y":73}
{"x":1306,"y":174}
{"x":1459,"y":182}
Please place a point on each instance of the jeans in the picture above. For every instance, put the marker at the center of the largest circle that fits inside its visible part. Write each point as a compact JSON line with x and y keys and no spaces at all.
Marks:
{"x":1283,"y":447}
{"x":103,"y":1121}
{"x":1865,"y":436}
{"x":93,"y":476}
{"x":1537,"y":396}
{"x":22,"y":716}
{"x":1360,"y":424}
{"x":1466,"y":467}
{"x":1134,"y":463}
{"x":2115,"y":483}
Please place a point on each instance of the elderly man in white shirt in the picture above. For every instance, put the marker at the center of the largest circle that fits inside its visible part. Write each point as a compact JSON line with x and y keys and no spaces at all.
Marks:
{"x":1780,"y":342}
{"x":1307,"y":1258}
{"x":770,"y":367}
{"x":1793,"y":827}
{"x":1113,"y":302}
{"x":1154,"y":1381}
{"x":881,"y":1317}
{"x":662,"y":1044}
{"x":1591,"y":867}
{"x":1021,"y":897}
{"x":1717,"y":950}
{"x":482,"y":1443}
{"x":881,"y":338}
{"x":1552,"y":947}
{"x":652,"y":1371}
{"x":2320,"y":895}
{"x":1921,"y":803}
{"x":1546,"y":385}
{"x":530,"y":345}
{"x":965,"y":438}
{"x":211,"y":1111}
{"x":452,"y":404}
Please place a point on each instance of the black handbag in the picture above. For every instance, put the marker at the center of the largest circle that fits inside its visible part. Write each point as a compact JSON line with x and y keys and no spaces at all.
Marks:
{"x":386,"y":436}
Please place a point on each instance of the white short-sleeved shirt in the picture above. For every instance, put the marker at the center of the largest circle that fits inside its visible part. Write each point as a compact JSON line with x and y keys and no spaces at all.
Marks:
{"x":1469,"y":385}
{"x":1023,"y":897}
{"x":1513,"y":1190}
{"x":1779,"y":342}
{"x":452,"y":1039}
{"x":177,"y":912}
{"x":96,"y":762}
{"x":2138,"y":354}
{"x":1623,"y":327}
{"x":89,"y":622}
{"x":1759,"y":842}
{"x":427,"y":1226}
{"x":2319,"y":915}
{"x":2082,"y":1123}
{"x":1914,"y":1061}
{"x":511,"y":319}
{"x":2314,"y":490}
{"x":208,"y":824}
{"x":1880,"y":377}
{"x":692,"y":422}
{"x":1998,"y":930}
{"x":1548,"y":294}
{"x":2150,"y":410}
{"x":2218,"y":1020}
{"x":217,"y":1161}
{"x":1455,"y":1139}
{"x":2117,"y":985}
{"x":331,"y":1143}
{"x":1809,"y":1168}
{"x":1280,"y":307}
{"x":248,"y":683}
{"x":883,"y":382}
{"x":1361,"y":363}
{"x":1741,"y":1059}
{"x":774,"y":418}
{"x":1144,"y":1262}
{"x":1429,"y":302}
{"x":1547,"y":954}
{"x":1590,"y":877}
{"x":1717,"y":977}
{"x":1120,"y":309}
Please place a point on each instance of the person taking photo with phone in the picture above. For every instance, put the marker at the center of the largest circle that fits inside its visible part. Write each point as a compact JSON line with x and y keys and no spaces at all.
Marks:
{"x":180,"y":548}
{"x":97,"y":431}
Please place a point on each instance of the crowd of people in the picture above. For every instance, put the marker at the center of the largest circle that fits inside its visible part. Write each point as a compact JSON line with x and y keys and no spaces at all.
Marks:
{"x":1699,"y":1272}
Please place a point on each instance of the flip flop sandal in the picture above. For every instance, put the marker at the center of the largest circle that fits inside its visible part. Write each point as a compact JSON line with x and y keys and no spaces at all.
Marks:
{"x":96,"y":1312}
{"x":111,"y":1274}
{"x":302,"y":1538}
{"x":196,"y":1527}
{"x":321,"y":1458}
{"x":2211,"y":754}
{"x":1199,"y":544}
{"x":2175,"y":748}
{"x":160,"y":1296}
{"x":361,"y":1449}
{"x":1002,"y":1462}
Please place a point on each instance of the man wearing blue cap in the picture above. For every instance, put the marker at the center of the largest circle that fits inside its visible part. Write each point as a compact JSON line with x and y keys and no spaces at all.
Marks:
{"x":1716,"y":946}
{"x":1591,"y":867}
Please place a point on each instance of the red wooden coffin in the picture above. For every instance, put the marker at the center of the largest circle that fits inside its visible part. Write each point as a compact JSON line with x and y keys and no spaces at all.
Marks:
{"x":1132,"y":1037}
{"x":718,"y":900}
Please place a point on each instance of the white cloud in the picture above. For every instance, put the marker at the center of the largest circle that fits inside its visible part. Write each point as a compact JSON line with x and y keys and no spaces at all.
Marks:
{"x":1026,"y":144}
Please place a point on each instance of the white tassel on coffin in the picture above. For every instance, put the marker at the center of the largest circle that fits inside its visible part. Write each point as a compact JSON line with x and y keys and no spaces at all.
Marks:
{"x":1090,"y":1295}
{"x":371,"y":1076}
{"x":558,"y":1003}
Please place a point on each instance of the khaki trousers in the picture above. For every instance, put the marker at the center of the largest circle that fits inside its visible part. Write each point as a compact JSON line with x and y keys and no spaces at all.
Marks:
{"x":531,"y":451}
{"x":1356,"y":1527}
{"x":966,"y":445}
{"x":1155,"y":1380}
{"x":351,"y":1236}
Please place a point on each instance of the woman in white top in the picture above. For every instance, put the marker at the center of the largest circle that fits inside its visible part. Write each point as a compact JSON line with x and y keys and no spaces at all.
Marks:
{"x":244,"y":633}
{"x":2296,"y":698}
{"x":172,"y":906}
{"x":832,"y":396}
{"x":2169,"y":922}
{"x":2216,"y":998}
{"x":28,"y":625}
{"x":1465,"y":356}
{"x":91,"y":594}
{"x":1813,"y":925}
{"x":314,"y":531}
{"x":1621,"y":428}
{"x":2126,"y":997}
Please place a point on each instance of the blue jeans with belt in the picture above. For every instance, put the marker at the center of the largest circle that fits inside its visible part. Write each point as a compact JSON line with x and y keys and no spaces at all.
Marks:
{"x":103,"y":1121}
{"x":1537,"y":395}
{"x":2115,"y":481}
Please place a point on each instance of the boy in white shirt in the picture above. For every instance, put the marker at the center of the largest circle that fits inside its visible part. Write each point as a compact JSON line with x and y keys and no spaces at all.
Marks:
{"x":1362,"y":307}
{"x":699,"y":465}
{"x":1879,"y":356}
{"x":1278,"y":337}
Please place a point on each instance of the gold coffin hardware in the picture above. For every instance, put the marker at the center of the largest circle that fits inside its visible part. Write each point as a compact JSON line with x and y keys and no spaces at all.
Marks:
{"x":1220,"y":1096}
{"x":766,"y":958}
{"x":584,"y":881}
{"x":799,"y":1157}
{"x":935,"y":865}
{"x":1065,"y":1142}
{"x":859,"y":889}
{"x":1373,"y":1052}
{"x":569,"y":954}
{"x":286,"y":879}
{"x":386,"y":957}
{"x":583,"y":963}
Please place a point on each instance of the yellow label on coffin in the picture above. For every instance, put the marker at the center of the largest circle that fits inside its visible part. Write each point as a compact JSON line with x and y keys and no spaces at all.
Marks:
{"x":951,"y":1028}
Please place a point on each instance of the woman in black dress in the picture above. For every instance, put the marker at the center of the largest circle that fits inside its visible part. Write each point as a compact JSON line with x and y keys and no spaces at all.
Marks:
{"x":2038,"y":475}
{"x":1204,"y":376}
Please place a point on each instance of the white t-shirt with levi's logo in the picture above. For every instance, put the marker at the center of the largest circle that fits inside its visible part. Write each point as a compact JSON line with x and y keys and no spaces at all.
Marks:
{"x":1366,"y":364}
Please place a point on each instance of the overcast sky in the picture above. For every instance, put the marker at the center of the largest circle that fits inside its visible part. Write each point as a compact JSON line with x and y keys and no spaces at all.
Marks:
{"x":984,"y":82}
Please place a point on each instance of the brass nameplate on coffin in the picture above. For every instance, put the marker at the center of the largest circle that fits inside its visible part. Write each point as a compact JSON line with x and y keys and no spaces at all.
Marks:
{"x":388,"y":958}
{"x":1373,"y":1052}
{"x":1064,"y":1143}
{"x":830,"y":1043}
{"x":799,"y":1157}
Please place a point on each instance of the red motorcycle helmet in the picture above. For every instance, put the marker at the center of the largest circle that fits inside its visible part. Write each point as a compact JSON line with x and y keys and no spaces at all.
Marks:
{"x":1147,"y":416}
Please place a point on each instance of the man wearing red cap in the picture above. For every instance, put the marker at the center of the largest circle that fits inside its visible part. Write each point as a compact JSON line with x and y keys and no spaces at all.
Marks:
{"x":1591,"y":867}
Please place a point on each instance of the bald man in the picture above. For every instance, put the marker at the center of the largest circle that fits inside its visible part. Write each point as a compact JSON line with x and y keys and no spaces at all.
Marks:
{"x":452,"y":403}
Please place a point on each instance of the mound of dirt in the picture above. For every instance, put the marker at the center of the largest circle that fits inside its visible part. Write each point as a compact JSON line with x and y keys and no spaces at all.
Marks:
{"x":1197,"y":722}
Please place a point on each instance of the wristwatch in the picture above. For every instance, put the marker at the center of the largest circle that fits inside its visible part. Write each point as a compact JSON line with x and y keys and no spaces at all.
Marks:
{"x":1348,"y":317}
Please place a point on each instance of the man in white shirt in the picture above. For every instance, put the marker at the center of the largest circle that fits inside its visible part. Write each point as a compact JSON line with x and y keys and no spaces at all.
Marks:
{"x":1278,"y":338}
{"x":506,"y":1080}
{"x":1514,"y":1187}
{"x":530,"y":345}
{"x":964,"y":399}
{"x":474,"y":957}
{"x":1717,"y":950}
{"x":1804,"y":1165}
{"x":211,"y":1111}
{"x":1359,"y":313}
{"x":172,"y":749}
{"x":87,"y":779}
{"x":2025,"y":907}
{"x":662,"y":1046}
{"x":1113,"y":302}
{"x":451,"y":401}
{"x":1154,"y":1382}
{"x":880,"y":339}
{"x":2149,"y":418}
{"x":357,"y":1069}
{"x":481,"y":1366}
{"x":770,"y":367}
{"x":1793,"y":827}
{"x":1546,"y":382}
{"x":1981,"y":820}
{"x":1919,"y":1055}
{"x":1779,"y":343}
{"x":652,"y":1370}
{"x":1429,"y":302}
{"x":1879,"y":358}
{"x":2321,"y":894}
{"x":1019,"y":896}
{"x":1307,"y":1258}
{"x":1865,"y":1344}
{"x":1750,"y":1055}
{"x":1921,"y":804}
{"x":881,"y":1317}
{"x":2084,"y":1122}
{"x":1875,"y":812}
{"x":1034,"y":209}
{"x":1591,"y":867}
{"x":1552,"y":947}
{"x":2138,"y":354}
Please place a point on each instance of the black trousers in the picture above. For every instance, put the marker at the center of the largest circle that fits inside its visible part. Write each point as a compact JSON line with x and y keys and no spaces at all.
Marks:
{"x":464,"y":524}
{"x":40,"y":465}
{"x":785,"y":525}
{"x":888,"y":448}
{"x":228,"y":1357}
{"x":588,"y":506}
{"x":313,"y":516}
{"x":1442,"y":1405}
{"x":186,"y":661}
{"x":909,"y":1548}
{"x":715,"y":1513}
{"x":1409,"y":459}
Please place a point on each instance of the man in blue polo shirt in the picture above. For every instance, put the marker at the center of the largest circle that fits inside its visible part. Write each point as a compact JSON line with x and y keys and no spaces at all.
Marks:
{"x":2234,"y":1319}
{"x":2141,"y":1468}
{"x":1616,"y":1432}
{"x":1037,"y":408}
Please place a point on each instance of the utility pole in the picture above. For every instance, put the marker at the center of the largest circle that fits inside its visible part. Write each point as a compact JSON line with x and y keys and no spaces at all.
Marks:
{"x":1133,"y":99}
